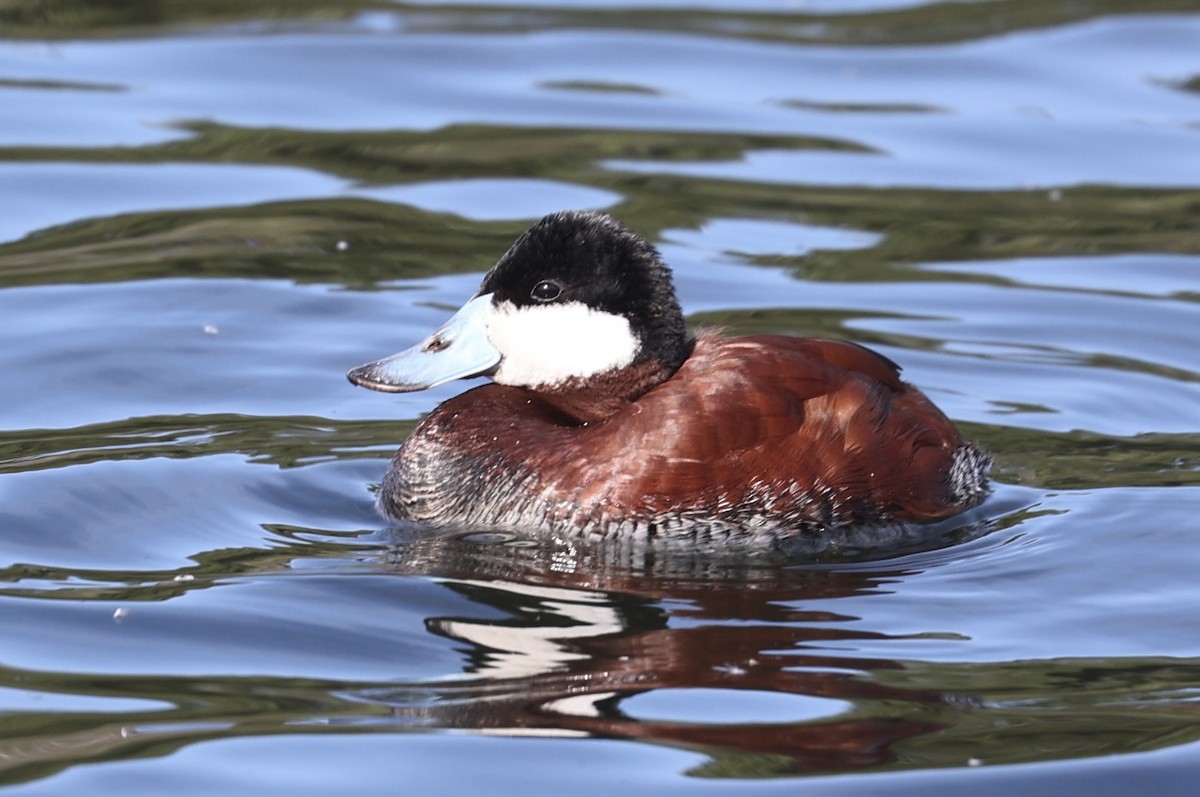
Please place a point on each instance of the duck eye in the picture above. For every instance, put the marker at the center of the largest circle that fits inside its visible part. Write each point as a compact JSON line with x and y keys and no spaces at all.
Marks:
{"x":546,"y":291}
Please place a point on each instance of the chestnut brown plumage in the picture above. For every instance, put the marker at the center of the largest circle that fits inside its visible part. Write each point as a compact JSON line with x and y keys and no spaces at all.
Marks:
{"x":749,"y":432}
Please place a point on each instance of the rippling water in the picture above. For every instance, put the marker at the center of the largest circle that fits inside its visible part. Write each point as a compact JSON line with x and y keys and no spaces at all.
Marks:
{"x":205,"y":219}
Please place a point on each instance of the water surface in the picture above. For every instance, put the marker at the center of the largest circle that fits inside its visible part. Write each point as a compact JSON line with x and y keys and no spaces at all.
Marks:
{"x":208,"y":215}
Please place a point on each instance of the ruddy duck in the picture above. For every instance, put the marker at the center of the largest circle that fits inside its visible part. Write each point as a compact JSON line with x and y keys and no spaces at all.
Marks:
{"x":607,"y":417}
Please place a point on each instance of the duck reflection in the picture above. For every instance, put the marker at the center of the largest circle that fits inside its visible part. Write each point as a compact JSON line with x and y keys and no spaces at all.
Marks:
{"x":568,"y":635}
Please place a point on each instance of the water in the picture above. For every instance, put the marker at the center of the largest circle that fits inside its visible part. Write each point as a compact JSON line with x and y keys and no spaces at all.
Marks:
{"x":205,"y":219}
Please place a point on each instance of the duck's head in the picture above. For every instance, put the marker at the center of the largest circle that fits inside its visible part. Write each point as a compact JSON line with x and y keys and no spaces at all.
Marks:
{"x":577,"y":297}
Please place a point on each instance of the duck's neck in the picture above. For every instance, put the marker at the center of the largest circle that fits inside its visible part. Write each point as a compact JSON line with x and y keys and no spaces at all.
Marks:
{"x":591,"y":399}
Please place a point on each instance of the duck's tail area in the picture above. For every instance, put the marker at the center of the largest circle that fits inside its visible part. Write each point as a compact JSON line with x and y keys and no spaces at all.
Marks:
{"x":969,"y":474}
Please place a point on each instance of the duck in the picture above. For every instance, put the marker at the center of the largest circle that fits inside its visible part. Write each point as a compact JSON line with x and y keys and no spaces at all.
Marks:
{"x":606,"y":417}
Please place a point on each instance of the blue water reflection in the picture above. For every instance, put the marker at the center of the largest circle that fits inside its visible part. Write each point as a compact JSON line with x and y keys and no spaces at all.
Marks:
{"x":208,"y":216}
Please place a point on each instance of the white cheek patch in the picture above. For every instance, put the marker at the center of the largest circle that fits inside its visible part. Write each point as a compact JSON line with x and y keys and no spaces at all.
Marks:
{"x":545,"y":345}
